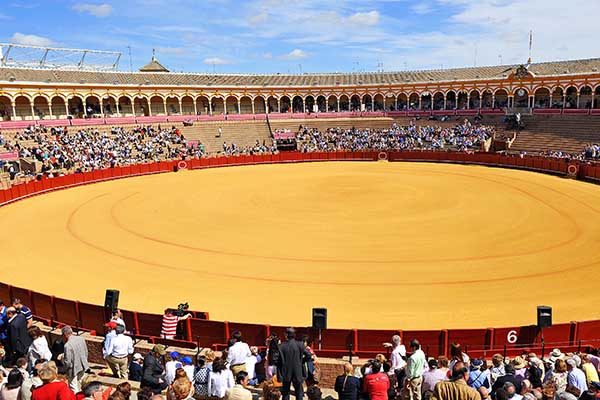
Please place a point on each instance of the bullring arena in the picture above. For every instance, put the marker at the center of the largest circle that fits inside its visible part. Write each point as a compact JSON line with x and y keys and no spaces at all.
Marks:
{"x":441,"y":205}
{"x":348,"y":236}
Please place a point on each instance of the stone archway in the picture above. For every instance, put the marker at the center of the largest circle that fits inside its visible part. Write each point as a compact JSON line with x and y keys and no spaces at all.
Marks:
{"x":157,"y":105}
{"x":297,"y":104}
{"x":187,"y":105}
{"x":541,"y":98}
{"x":260,"y":106}
{"x":6,"y":113}
{"x":41,"y":107}
{"x":125,"y":106}
{"x":59,"y":107}
{"x":451,"y":100}
{"x":202,"y":105}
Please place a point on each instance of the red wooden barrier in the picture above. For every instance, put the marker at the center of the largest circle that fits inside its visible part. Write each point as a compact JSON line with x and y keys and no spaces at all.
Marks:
{"x":130,"y":319}
{"x":588,"y":331}
{"x":25,"y":296}
{"x":144,"y":168}
{"x":432,"y":342}
{"x":92,"y":317}
{"x":253,"y":334}
{"x":44,"y":305}
{"x":372,"y":339}
{"x":66,"y":312}
{"x":22,"y":190}
{"x":478,"y":339}
{"x":149,"y":324}
{"x":334,"y":339}
{"x":208,"y":332}
{"x":2,"y":196}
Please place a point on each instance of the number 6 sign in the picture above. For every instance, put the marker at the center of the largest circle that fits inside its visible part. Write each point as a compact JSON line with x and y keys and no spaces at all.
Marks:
{"x":512,"y":337}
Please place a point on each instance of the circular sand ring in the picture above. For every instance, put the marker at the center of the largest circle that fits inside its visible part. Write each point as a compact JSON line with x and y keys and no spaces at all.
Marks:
{"x":382,"y":156}
{"x":182,"y":165}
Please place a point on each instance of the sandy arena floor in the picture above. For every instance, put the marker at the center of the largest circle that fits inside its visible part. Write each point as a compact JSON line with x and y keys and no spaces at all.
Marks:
{"x":381,"y":245}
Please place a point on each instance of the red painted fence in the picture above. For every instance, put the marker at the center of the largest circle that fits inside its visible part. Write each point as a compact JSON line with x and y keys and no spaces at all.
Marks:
{"x":334,"y":342}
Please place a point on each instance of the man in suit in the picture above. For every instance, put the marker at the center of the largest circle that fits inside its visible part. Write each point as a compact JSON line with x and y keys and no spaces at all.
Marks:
{"x":153,"y":372}
{"x":291,"y":369}
{"x":18,"y":339}
{"x":75,"y":357}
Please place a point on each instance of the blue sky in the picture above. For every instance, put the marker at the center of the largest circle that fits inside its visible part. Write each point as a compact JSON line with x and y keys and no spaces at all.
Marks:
{"x":294,"y":36}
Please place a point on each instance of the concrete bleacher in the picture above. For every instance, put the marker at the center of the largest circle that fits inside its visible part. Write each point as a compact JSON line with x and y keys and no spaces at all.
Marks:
{"x":242,"y":133}
{"x":558,"y":132}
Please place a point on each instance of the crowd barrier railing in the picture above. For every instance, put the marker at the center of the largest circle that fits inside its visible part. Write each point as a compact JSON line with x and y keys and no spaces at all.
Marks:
{"x":200,"y":331}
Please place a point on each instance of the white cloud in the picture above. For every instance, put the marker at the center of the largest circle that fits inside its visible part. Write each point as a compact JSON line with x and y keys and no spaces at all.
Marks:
{"x":30,"y":40}
{"x":364,"y":18}
{"x":268,"y":56}
{"x":215,"y":61}
{"x":258,"y":19}
{"x":295,"y":54}
{"x":97,"y":10}
{"x":422,"y":8}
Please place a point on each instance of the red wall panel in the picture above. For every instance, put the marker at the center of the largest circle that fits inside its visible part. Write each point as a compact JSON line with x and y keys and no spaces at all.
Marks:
{"x":431,"y":341}
{"x":149,"y":324}
{"x":93,"y":317}
{"x":208,"y":332}
{"x":475,"y":339}
{"x":253,"y":334}
{"x":2,"y":196}
{"x":5,"y":292}
{"x":66,"y":312}
{"x":44,"y":306}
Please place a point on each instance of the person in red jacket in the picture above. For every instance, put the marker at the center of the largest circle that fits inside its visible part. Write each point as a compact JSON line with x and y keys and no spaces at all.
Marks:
{"x":52,"y":389}
{"x":377,"y":383}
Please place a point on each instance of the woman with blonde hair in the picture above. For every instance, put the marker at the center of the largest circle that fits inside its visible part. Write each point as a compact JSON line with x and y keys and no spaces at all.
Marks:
{"x":52,"y":388}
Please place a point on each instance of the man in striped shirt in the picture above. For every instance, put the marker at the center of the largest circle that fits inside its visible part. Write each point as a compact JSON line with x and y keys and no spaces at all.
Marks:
{"x":26,"y":311}
{"x":169,"y":323}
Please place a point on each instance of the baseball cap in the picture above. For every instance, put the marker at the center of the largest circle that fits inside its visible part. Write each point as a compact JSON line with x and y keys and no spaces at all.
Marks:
{"x":174,"y":355}
{"x":160,"y":349}
{"x":186,"y":360}
{"x":111,"y":324}
{"x":137,"y":356}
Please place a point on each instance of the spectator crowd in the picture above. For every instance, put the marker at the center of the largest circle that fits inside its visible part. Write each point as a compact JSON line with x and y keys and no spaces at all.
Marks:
{"x":465,"y":137}
{"x":34,"y":369}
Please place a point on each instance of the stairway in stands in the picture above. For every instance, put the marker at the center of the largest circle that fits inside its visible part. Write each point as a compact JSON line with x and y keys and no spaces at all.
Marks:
{"x":242,"y":133}
{"x":557,"y":132}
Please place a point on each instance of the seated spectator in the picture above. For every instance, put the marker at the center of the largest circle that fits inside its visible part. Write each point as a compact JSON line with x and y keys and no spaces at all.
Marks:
{"x":182,"y":389}
{"x":479,"y":375}
{"x":125,"y":389}
{"x":32,"y":382}
{"x":135,"y":368}
{"x":239,"y":391}
{"x":171,"y":366}
{"x":52,"y":388}
{"x":456,"y":388}
{"x":12,"y":388}
{"x":93,"y":391}
{"x":437,"y":372}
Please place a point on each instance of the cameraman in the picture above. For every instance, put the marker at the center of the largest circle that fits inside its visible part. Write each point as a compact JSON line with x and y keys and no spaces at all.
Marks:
{"x":169,"y":322}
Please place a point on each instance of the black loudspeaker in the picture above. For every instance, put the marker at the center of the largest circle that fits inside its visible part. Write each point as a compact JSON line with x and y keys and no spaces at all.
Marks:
{"x":319,"y":318}
{"x":175,"y":168}
{"x":111,"y":300}
{"x":544,"y":317}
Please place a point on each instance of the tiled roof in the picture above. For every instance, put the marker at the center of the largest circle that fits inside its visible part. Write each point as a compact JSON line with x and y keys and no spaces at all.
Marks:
{"x":589,"y":66}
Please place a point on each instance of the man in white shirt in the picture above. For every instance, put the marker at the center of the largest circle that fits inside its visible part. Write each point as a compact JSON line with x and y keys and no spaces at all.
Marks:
{"x":238,"y":353}
{"x":251,"y":362}
{"x":119,"y":348}
{"x":398,"y":355}
{"x":110,"y":334}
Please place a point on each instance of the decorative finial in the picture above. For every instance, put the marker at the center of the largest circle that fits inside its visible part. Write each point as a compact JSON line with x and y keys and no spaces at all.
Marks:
{"x":153,"y":54}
